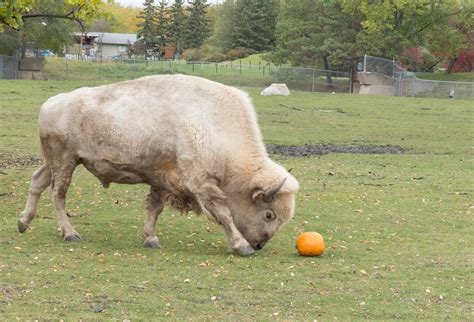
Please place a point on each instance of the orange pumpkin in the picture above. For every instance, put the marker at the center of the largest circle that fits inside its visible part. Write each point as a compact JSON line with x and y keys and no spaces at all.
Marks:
{"x":310,"y":244}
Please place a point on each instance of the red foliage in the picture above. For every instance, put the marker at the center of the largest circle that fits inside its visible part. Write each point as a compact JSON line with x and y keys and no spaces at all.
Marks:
{"x":411,"y":58}
{"x":465,"y":61}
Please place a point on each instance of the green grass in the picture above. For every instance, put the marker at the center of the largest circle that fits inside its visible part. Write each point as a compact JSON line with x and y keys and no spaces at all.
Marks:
{"x":398,"y":228}
{"x":454,"y":77}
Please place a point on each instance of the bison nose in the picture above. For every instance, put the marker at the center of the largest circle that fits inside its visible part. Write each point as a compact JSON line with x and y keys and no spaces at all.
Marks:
{"x":260,"y":245}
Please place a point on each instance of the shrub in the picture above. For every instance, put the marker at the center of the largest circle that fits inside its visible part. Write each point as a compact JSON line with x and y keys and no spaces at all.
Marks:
{"x":233,"y":54}
{"x":215,"y":57}
{"x":192,"y":54}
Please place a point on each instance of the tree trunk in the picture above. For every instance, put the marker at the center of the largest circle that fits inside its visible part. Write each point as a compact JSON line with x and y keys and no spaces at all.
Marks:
{"x":451,"y":64}
{"x":353,"y":72}
{"x":328,"y":73}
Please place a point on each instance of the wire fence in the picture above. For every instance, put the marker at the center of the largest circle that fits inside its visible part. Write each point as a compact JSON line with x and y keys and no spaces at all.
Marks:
{"x":8,"y":67}
{"x":406,"y":83}
{"x":234,"y":73}
{"x":239,"y":74}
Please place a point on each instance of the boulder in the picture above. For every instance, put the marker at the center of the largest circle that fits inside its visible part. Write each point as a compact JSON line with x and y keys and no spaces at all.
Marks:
{"x":276,"y":89}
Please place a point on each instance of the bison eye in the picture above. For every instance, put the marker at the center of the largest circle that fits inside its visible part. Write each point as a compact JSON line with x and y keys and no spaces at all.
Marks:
{"x":269,"y":215}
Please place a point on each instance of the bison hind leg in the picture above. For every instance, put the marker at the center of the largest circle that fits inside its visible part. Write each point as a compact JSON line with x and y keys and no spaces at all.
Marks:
{"x":155,"y":205}
{"x":40,"y":180}
{"x":62,"y":171}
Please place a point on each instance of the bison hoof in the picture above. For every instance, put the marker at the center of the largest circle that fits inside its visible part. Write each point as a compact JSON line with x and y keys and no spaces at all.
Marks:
{"x":73,"y":238}
{"x":152,"y":242}
{"x":22,"y":226}
{"x":244,"y":250}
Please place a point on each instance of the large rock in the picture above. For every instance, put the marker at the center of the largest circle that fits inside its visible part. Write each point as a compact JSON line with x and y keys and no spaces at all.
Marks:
{"x":30,"y":75}
{"x":32,"y":63}
{"x":374,"y":79}
{"x":31,"y":68}
{"x":276,"y":89}
{"x":376,"y":84}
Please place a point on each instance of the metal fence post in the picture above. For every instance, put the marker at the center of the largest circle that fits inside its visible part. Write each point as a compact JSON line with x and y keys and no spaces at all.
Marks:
{"x":365,"y":63}
{"x":350,"y":81}
{"x":400,"y":84}
{"x":1,"y":66}
{"x":393,"y":67}
{"x":413,"y":86}
{"x":202,"y":69}
{"x":312,"y":87}
{"x":240,"y":74}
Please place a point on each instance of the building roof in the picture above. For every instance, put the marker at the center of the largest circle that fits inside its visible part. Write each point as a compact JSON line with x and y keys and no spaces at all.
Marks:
{"x":111,"y":38}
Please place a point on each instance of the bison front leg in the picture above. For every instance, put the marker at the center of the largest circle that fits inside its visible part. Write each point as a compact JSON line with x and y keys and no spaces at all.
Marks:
{"x":154,"y":207}
{"x":222,"y":215}
{"x":212,"y":202}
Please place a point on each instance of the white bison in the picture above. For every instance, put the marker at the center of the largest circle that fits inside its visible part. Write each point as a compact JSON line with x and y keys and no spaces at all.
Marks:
{"x":195,"y":142}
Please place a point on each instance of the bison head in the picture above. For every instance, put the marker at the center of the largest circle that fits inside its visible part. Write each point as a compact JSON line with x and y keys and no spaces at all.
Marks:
{"x":265,"y":205}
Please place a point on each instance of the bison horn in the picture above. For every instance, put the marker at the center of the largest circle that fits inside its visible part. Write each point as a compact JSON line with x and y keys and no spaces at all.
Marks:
{"x":271,"y":193}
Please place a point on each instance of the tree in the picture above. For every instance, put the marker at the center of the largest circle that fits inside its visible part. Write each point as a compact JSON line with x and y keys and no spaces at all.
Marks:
{"x":47,"y":23}
{"x":177,"y":25}
{"x":390,"y":26}
{"x":14,"y":13}
{"x":316,"y":33}
{"x":197,"y":24}
{"x":224,"y":25}
{"x":118,"y":19}
{"x":162,"y":24}
{"x":254,"y":24}
{"x":147,"y":29}
{"x":449,"y":44}
{"x":337,"y":33}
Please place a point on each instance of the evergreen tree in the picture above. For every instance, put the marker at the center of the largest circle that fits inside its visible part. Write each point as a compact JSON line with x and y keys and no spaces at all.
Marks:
{"x":254,"y":24}
{"x":162,"y":24}
{"x":197,"y":24}
{"x":316,"y":34}
{"x":147,"y":32}
{"x":177,"y":25}
{"x":224,"y":25}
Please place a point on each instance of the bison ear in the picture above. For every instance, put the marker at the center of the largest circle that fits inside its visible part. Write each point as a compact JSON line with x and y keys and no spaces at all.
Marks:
{"x":268,"y":195}
{"x":258,"y":195}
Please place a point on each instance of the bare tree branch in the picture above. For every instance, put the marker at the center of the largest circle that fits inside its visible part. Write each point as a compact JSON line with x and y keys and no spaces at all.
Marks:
{"x":71,"y":15}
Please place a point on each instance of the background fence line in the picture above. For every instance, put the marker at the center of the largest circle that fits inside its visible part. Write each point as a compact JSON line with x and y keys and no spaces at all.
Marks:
{"x":240,"y":74}
{"x":408,"y":84}
{"x":234,"y":73}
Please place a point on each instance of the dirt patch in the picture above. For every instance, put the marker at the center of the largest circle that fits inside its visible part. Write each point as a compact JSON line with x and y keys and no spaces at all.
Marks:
{"x":9,"y":160}
{"x":321,"y":149}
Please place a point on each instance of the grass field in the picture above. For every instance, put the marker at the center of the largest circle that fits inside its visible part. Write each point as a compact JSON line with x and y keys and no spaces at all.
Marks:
{"x":454,"y":77}
{"x":398,"y":227}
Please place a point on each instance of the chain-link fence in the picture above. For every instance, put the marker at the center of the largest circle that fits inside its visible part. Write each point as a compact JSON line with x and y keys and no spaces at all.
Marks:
{"x":8,"y":67}
{"x":408,"y":84}
{"x":380,"y":65}
{"x":234,"y":73}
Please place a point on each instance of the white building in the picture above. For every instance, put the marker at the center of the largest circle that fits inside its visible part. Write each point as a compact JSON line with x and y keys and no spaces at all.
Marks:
{"x":101,"y":44}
